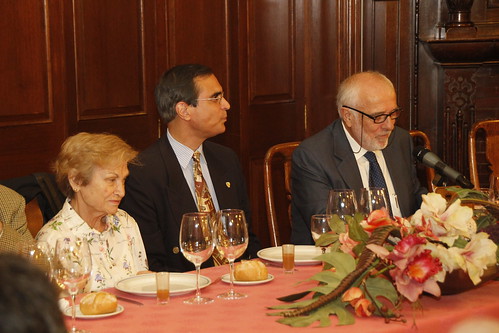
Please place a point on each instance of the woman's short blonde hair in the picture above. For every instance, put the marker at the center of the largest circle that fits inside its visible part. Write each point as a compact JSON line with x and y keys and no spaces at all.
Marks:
{"x":80,"y":154}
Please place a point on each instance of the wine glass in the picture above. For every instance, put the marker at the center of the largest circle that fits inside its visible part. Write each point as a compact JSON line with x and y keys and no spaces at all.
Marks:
{"x":71,"y":268}
{"x":39,"y":254}
{"x":319,"y":225}
{"x":232,"y":240}
{"x":494,"y":189}
{"x":372,"y":198}
{"x":197,"y":244}
{"x":341,"y":202}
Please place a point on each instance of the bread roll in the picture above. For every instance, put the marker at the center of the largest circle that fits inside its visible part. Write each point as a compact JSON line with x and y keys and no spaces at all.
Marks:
{"x":250,"y":270}
{"x":98,"y":303}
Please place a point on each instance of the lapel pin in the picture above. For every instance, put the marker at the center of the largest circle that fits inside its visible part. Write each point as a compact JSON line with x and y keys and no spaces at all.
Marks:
{"x":227,"y":184}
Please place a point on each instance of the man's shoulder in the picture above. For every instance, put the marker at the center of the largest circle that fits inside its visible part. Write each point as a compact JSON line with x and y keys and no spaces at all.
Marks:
{"x":322,"y":139}
{"x":217,"y":149}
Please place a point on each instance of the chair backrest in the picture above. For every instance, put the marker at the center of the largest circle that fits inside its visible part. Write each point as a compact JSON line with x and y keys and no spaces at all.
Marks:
{"x":277,"y":186}
{"x":34,"y":217}
{"x":421,"y":137}
{"x":491,"y":129}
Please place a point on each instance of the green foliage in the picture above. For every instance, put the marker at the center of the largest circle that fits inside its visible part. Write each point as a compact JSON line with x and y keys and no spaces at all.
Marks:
{"x":336,"y":224}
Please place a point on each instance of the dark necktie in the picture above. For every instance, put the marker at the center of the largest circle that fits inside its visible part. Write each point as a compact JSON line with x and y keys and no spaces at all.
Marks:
{"x":376,"y":178}
{"x":205,"y":202}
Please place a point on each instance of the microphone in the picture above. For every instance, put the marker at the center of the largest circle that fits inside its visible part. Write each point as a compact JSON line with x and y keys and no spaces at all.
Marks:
{"x":431,"y":160}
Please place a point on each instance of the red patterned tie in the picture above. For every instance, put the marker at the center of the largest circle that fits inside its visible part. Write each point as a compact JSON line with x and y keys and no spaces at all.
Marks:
{"x":205,"y":203}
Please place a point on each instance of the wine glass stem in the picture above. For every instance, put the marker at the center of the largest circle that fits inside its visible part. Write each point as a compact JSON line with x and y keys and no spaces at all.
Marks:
{"x":73,"y":310}
{"x":231,"y":270}
{"x":198,"y":273}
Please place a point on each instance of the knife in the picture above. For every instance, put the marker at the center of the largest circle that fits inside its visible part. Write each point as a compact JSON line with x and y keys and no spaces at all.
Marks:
{"x":129,"y":300}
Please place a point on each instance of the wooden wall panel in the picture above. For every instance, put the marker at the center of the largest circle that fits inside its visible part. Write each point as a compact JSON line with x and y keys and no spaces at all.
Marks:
{"x":114,"y":69}
{"x":109,"y":58}
{"x":388,"y":46}
{"x":32,"y":96}
{"x":199,"y":31}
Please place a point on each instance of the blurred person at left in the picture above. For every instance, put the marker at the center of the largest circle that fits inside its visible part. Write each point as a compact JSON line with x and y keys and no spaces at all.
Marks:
{"x":91,"y":170}
{"x":28,"y":299}
{"x":13,"y":225}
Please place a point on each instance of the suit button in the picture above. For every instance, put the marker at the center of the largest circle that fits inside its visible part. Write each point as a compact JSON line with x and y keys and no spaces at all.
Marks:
{"x":176,"y":250}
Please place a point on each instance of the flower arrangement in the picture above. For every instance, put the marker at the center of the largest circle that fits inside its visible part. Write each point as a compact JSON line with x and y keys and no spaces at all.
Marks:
{"x":376,"y":262}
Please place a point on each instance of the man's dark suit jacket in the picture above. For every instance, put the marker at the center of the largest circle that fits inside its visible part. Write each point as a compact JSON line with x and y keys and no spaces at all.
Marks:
{"x":157,"y":196}
{"x":325,"y":161}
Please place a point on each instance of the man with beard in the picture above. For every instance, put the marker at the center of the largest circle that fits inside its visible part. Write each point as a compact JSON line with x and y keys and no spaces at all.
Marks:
{"x":335,"y":158}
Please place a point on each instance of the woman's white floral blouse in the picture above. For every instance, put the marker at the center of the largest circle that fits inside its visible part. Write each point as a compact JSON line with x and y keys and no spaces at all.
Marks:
{"x":118,"y":252}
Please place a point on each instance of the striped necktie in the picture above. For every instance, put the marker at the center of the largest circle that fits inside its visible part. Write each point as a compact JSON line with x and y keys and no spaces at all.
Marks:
{"x":205,"y":202}
{"x":376,"y":178}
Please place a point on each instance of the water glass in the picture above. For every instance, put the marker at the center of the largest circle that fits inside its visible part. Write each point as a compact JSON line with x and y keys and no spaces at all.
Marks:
{"x":288,"y":258}
{"x":162,"y":287}
{"x":494,"y":189}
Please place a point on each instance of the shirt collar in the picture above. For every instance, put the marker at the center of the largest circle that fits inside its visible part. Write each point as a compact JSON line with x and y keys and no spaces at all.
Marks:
{"x":183,"y":153}
{"x":357,"y":150}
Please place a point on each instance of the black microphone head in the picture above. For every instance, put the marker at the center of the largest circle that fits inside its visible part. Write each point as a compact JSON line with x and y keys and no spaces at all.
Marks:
{"x":419,"y":152}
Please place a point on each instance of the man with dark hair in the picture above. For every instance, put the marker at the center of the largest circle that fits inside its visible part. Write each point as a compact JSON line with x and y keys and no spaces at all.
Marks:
{"x":28,"y":301}
{"x":191,"y":103}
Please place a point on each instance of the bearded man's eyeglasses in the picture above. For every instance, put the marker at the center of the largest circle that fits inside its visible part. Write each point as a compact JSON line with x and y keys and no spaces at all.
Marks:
{"x":379,"y":119}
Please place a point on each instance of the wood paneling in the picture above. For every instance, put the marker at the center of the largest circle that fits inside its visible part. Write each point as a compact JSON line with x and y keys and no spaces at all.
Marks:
{"x":32,"y":98}
{"x":109,"y":58}
{"x":114,"y":68}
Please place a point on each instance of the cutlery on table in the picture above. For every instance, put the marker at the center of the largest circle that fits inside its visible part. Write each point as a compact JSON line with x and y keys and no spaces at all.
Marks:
{"x":124,"y":299}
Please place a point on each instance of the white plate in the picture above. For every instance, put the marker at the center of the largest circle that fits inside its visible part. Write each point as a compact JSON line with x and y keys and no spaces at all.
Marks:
{"x":145,"y":284}
{"x":304,"y":254}
{"x":226,"y":279}
{"x":80,"y":315}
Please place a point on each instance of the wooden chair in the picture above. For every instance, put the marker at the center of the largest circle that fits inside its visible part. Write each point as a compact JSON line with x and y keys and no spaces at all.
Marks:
{"x":421,"y":138}
{"x":278,"y":189}
{"x":491,"y":129}
{"x":34,"y":217}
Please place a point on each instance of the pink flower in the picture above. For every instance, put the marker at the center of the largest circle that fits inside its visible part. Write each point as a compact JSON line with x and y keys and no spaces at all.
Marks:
{"x":347,"y":244}
{"x":376,"y":219}
{"x":417,"y":275}
{"x":423,"y":266}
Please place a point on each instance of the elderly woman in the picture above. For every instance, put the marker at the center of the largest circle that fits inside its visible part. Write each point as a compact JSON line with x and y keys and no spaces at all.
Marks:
{"x":91,"y":170}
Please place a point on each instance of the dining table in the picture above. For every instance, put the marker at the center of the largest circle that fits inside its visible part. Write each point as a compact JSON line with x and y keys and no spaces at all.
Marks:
{"x":250,"y":314}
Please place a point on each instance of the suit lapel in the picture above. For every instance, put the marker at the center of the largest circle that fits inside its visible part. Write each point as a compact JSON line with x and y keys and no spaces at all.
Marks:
{"x":345,"y":159}
{"x":219,"y":177}
{"x":180,"y":198}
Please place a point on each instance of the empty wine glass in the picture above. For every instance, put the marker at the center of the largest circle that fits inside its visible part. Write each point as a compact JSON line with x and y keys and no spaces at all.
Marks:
{"x":341,"y":202}
{"x":371,"y":199}
{"x":319,"y":225}
{"x":197,"y":244}
{"x":494,"y":189}
{"x":39,"y":254}
{"x":232,"y":240}
{"x":71,"y":268}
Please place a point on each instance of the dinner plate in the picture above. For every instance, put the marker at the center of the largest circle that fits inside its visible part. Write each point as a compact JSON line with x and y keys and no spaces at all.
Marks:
{"x":304,"y":254}
{"x":145,"y":284}
{"x":67,"y":312}
{"x":226,"y":279}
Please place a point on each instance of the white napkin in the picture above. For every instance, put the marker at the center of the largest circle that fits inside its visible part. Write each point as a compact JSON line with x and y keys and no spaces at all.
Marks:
{"x":63,"y":304}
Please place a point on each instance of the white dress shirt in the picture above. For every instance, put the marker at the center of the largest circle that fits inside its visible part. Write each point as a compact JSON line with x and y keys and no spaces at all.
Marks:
{"x":184,"y":157}
{"x":363,"y":165}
